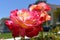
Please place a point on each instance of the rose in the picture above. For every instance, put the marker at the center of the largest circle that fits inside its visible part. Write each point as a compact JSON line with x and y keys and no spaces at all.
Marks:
{"x":29,"y":22}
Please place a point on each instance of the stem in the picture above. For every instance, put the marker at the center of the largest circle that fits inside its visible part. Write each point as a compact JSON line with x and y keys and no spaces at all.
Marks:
{"x":22,"y":38}
{"x":42,"y":35}
{"x":56,"y":31}
{"x":46,"y":23}
{"x":14,"y":38}
{"x":32,"y":38}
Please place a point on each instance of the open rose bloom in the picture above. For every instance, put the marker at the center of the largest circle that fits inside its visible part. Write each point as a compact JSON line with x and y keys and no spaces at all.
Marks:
{"x":28,"y":22}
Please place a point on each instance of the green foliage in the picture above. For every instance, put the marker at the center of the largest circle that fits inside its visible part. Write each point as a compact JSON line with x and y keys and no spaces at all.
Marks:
{"x":56,"y":12}
{"x":5,"y":35}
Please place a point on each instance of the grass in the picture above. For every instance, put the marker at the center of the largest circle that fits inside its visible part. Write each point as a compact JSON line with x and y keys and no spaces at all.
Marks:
{"x":5,"y":35}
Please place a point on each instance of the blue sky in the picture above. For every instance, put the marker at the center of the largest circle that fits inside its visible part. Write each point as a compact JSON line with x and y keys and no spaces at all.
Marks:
{"x":7,"y":5}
